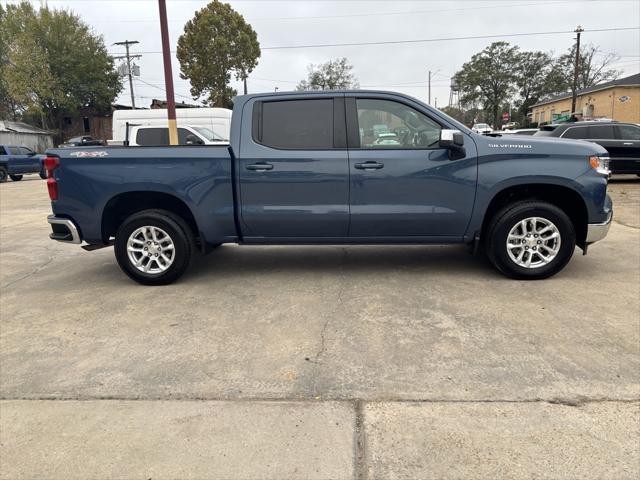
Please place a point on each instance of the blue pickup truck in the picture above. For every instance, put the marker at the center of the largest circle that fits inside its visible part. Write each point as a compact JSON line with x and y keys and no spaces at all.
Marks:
{"x":334,"y":167}
{"x":16,"y":161}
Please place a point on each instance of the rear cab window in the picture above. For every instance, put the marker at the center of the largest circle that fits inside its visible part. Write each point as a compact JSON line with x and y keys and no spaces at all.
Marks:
{"x":295,"y":124}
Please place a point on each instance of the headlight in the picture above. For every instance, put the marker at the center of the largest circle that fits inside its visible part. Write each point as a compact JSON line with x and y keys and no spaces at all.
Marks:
{"x":600,"y":164}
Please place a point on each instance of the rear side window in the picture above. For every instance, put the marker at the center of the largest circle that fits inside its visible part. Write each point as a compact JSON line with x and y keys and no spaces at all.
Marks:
{"x":14,"y":150}
{"x":601,"y":132}
{"x":295,"y":124}
{"x":152,"y":136}
{"x":576,"y":132}
{"x":628,"y":132}
{"x":2,"y":151}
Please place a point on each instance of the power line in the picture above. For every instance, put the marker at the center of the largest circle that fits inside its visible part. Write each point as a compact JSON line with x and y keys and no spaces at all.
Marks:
{"x":428,"y":40}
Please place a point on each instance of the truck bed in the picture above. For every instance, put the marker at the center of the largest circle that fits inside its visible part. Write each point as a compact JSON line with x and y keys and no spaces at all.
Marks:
{"x":90,"y":178}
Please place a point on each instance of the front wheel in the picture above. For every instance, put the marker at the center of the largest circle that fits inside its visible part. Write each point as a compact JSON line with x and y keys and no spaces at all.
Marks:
{"x":530,"y":240}
{"x":154,"y":247}
{"x":16,"y":178}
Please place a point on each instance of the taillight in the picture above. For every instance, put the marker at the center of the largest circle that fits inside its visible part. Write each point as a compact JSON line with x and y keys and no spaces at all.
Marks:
{"x":50,"y":164}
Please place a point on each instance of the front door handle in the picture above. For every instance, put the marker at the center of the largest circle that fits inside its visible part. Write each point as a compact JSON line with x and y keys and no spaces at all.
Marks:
{"x":369,"y":166}
{"x":628,"y":143}
{"x":260,"y":167}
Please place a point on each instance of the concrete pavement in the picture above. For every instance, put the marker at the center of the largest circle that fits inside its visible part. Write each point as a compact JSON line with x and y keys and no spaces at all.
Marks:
{"x":400,"y":346}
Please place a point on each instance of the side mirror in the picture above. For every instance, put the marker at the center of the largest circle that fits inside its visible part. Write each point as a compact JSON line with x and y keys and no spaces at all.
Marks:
{"x":451,"y":139}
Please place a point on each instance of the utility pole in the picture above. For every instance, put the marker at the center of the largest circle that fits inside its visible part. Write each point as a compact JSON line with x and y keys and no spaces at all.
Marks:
{"x":168,"y":76}
{"x":245,"y":85}
{"x":576,"y":69}
{"x":431,"y":74}
{"x":128,"y":57}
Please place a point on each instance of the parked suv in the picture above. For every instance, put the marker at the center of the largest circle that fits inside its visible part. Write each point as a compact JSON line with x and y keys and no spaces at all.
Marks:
{"x":622,"y":141}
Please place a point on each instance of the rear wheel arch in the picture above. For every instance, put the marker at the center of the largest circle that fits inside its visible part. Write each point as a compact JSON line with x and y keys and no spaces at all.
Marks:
{"x":563,"y":197}
{"x":123,"y":205}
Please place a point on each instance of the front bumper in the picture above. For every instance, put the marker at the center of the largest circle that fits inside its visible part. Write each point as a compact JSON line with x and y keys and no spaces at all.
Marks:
{"x":597,"y":231}
{"x":64,"y":230}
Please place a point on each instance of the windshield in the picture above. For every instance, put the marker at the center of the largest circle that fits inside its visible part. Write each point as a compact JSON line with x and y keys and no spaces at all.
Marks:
{"x":209,"y":135}
{"x":482,"y":125}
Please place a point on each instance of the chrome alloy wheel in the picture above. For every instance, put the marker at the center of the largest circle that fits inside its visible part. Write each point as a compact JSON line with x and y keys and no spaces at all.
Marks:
{"x":533,"y":242}
{"x":150,"y":250}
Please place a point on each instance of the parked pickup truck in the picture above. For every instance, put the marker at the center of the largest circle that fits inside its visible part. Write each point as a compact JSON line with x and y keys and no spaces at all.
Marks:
{"x":309,"y":168}
{"x":16,"y":161}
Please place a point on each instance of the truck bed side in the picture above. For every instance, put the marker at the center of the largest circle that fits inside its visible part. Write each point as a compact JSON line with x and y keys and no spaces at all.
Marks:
{"x":99,"y":185}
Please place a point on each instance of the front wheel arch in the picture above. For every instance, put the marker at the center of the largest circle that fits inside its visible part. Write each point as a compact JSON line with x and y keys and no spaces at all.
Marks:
{"x":565,"y":198}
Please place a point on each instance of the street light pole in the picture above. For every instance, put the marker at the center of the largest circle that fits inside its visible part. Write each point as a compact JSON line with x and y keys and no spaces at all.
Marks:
{"x":576,"y":69}
{"x":168,"y":76}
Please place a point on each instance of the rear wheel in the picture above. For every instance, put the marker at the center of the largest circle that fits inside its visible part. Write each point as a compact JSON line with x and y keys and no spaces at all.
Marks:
{"x":16,"y":178}
{"x":154,"y":247}
{"x":530,"y":240}
{"x":3,"y":174}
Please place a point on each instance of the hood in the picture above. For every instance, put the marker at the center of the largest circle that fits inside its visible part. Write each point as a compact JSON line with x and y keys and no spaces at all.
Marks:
{"x":538,"y":145}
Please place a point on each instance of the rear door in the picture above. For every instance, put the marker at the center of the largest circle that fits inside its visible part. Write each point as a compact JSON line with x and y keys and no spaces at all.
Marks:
{"x":402,"y":183}
{"x":627,"y":150}
{"x":293,"y":168}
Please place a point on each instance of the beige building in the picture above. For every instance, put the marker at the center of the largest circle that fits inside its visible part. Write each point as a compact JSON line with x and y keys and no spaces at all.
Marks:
{"x":618,"y":100}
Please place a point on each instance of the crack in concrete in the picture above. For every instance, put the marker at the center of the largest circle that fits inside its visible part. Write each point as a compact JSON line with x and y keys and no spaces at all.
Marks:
{"x":33,"y":272}
{"x":625,"y":224}
{"x":360,"y":460}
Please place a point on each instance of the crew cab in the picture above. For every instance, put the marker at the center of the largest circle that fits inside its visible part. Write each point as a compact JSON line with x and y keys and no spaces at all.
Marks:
{"x":334,"y":167}
{"x":16,"y":161}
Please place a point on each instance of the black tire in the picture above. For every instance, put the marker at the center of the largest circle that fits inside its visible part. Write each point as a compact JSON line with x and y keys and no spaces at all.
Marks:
{"x":43,"y":173}
{"x":3,"y":174}
{"x":16,"y":178}
{"x":178,"y":231}
{"x":507,"y":218}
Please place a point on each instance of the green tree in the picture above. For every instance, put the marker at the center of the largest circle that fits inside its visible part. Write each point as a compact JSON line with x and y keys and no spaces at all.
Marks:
{"x":332,"y":75}
{"x":533,"y":80}
{"x":216,"y":43}
{"x":488,"y":79}
{"x":53,"y":65}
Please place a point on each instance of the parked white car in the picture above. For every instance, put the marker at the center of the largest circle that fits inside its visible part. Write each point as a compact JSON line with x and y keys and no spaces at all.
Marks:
{"x":147,"y":136}
{"x":482,"y":128}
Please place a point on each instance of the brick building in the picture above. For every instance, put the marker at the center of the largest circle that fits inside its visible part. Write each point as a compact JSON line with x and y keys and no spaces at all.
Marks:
{"x":617,"y":100}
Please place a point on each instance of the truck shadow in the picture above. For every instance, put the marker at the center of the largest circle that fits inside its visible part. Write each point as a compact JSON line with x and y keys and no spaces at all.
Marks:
{"x":230,"y":261}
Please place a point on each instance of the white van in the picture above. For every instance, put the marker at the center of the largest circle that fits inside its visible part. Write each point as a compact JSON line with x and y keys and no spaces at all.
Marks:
{"x":217,"y":120}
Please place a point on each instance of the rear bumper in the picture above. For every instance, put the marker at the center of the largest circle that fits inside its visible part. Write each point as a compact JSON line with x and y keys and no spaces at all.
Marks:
{"x":64,"y":230}
{"x":597,"y":231}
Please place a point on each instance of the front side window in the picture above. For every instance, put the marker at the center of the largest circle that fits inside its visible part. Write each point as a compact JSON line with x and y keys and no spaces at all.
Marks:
{"x":601,"y":132}
{"x":25,"y":151}
{"x":14,"y":150}
{"x":576,"y":132}
{"x":628,"y":132}
{"x":296,"y":124}
{"x":389,"y":124}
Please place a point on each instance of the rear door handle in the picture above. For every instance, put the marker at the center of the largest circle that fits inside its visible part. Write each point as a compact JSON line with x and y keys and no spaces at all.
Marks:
{"x":628,"y":143}
{"x":369,"y":166}
{"x":259,"y":167}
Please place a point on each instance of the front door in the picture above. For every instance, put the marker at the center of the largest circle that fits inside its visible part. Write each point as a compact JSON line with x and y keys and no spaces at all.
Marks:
{"x":294,"y":172}
{"x":402,"y":183}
